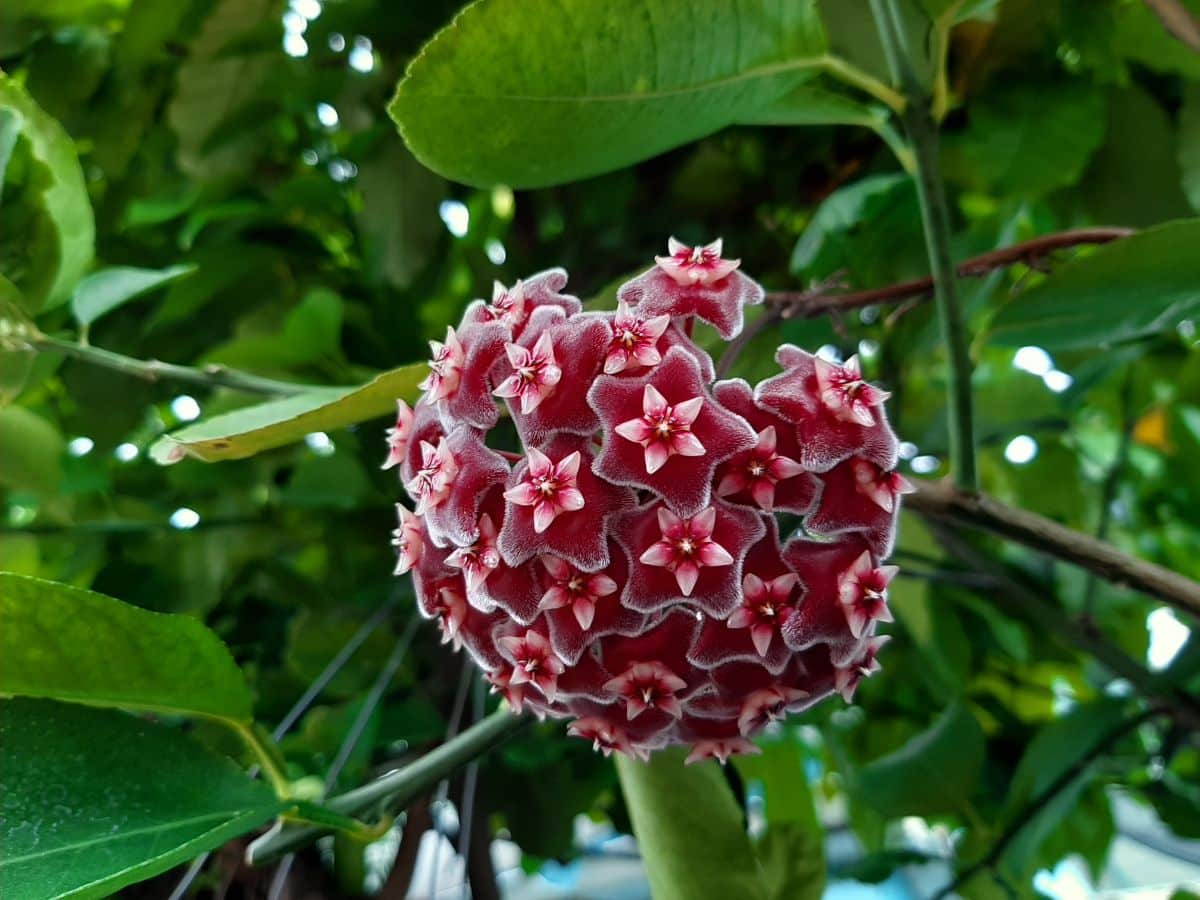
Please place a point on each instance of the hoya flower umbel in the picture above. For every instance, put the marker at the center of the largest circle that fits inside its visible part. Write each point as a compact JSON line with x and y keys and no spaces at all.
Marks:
{"x":611,"y":555}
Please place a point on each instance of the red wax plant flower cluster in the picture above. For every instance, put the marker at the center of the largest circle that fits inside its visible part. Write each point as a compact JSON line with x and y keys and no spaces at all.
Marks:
{"x":626,"y":569}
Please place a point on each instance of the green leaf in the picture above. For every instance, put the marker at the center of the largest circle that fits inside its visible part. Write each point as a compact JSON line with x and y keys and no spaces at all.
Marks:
{"x":689,"y":829}
{"x":57,"y":236}
{"x":95,"y":800}
{"x":398,"y":224}
{"x":601,"y":84}
{"x":311,"y":331}
{"x":103,"y":291}
{"x":934,"y":773}
{"x":16,"y":361}
{"x":1028,"y":138}
{"x":1189,"y":143}
{"x":31,"y":451}
{"x":817,"y":251}
{"x":1140,"y":285}
{"x":253,"y":429}
{"x":66,"y":643}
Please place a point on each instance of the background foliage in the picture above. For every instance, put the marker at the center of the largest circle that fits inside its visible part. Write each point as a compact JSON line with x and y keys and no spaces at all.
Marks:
{"x":218,"y":182}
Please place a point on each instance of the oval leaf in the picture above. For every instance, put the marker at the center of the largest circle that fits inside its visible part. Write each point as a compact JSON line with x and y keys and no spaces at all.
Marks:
{"x":1141,"y":285}
{"x":31,"y":451}
{"x":556,"y":93}
{"x":689,"y":829}
{"x":66,"y":643}
{"x":54,"y":257}
{"x":253,"y":429}
{"x":103,"y":291}
{"x":95,"y":800}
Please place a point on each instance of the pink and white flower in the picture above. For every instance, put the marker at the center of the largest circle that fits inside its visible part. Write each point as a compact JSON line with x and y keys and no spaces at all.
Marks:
{"x":663,"y":429}
{"x":445,"y":368}
{"x":862,"y":591}
{"x":685,"y":546}
{"x":844,"y":392}
{"x":399,"y":435}
{"x":635,"y":340}
{"x":882,"y":487}
{"x":648,"y":685}
{"x":578,"y":590}
{"x":408,"y":539}
{"x":605,"y":736}
{"x":537,"y":373}
{"x":846,"y":679}
{"x":766,"y":608}
{"x":533,"y":662}
{"x":767,"y":705}
{"x":721,"y":749}
{"x":760,"y":471}
{"x":508,"y":304}
{"x":550,"y":487}
{"x":433,"y":480}
{"x":478,"y":559}
{"x":696,"y":265}
{"x":450,"y":608}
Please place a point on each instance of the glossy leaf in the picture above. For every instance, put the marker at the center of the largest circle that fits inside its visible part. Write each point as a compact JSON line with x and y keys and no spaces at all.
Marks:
{"x":103,"y":291}
{"x":66,"y":643}
{"x":689,"y":829}
{"x":253,"y":429}
{"x":1141,"y":285}
{"x":95,"y":800}
{"x":58,"y":236}
{"x":601,"y":84}
{"x":934,"y":772}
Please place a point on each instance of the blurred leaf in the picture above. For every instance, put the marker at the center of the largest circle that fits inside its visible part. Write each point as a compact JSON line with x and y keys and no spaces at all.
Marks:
{"x":331,"y":482}
{"x":934,"y":773}
{"x":15,"y":364}
{"x":398,"y":224}
{"x":839,"y":214}
{"x":95,"y":800}
{"x":315,"y":636}
{"x":640,"y":77}
{"x":792,"y":862}
{"x":57,"y":237}
{"x":689,"y":829}
{"x":253,"y":429}
{"x":1189,"y":143}
{"x":1137,"y":286}
{"x":66,"y":643}
{"x":31,"y":451}
{"x":1029,"y":138}
{"x":103,"y":291}
{"x":311,"y":332}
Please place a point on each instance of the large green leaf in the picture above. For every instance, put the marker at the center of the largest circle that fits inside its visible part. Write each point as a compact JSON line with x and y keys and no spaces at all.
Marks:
{"x":56,"y":230}
{"x":66,"y":643}
{"x":689,"y":830}
{"x":253,"y":429}
{"x":95,"y":800}
{"x":934,"y":773}
{"x":31,"y":451}
{"x":537,"y":92}
{"x":1134,"y":287}
{"x":103,"y":291}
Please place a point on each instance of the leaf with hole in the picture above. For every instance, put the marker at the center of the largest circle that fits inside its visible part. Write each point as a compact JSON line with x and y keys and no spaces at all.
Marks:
{"x":264,"y":426}
{"x":98,"y":799}
{"x":601,"y":84}
{"x":66,"y":643}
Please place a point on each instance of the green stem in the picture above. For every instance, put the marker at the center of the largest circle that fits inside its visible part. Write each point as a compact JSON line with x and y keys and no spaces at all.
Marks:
{"x":935,"y":218}
{"x":396,"y":788}
{"x":266,"y":760}
{"x":836,"y":67}
{"x":154,"y":370}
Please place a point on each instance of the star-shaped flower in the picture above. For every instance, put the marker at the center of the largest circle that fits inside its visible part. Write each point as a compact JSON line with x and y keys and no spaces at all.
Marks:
{"x":445,"y":368}
{"x":844,"y":392}
{"x":758,"y":471}
{"x":687,"y":434}
{"x":696,"y":265}
{"x":605,"y":736}
{"x":762,"y":707}
{"x":478,"y":559}
{"x":575,"y":506}
{"x":536,"y":373}
{"x":635,"y":340}
{"x":846,"y":679}
{"x":582,"y":608}
{"x":862,"y":589}
{"x":408,"y":539}
{"x":549,"y":487}
{"x":859,"y":496}
{"x":508,"y":304}
{"x":398,"y":436}
{"x":880,"y":486}
{"x":477,"y":471}
{"x":578,"y":590}
{"x":767,"y":605}
{"x":694,"y":282}
{"x":431,"y":485}
{"x":533,"y":660}
{"x":648,"y":685}
{"x":685,"y":546}
{"x":721,"y":749}
{"x":820,"y":618}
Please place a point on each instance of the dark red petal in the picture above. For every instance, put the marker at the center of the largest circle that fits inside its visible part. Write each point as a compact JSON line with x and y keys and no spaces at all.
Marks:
{"x":720,"y":305}
{"x":843,"y":508}
{"x":456,"y":519}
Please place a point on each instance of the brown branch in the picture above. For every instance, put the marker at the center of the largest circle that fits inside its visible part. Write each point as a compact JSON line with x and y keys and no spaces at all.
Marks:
{"x":1178,"y":20}
{"x":808,"y":304}
{"x":941,"y":500}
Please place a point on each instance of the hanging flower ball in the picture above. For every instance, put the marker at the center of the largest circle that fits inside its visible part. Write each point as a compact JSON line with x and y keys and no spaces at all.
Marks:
{"x":623,"y":564}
